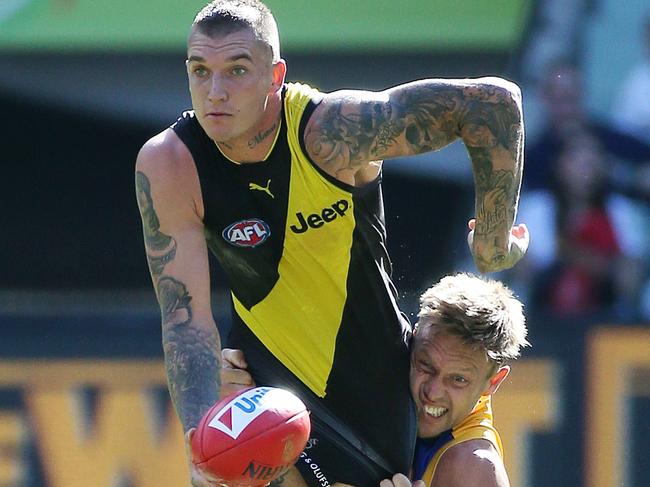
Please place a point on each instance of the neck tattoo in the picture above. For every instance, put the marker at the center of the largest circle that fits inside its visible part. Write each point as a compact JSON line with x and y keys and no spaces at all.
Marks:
{"x":261,"y":136}
{"x":225,"y":144}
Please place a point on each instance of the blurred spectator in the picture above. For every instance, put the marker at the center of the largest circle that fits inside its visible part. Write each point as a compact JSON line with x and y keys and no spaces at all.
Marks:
{"x":593,"y":253}
{"x":588,"y":272}
{"x":631,"y":107}
{"x":562,"y":93}
{"x":582,"y":277}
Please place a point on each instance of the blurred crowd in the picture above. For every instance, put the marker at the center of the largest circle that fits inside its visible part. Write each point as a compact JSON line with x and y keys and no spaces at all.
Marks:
{"x":586,"y":199}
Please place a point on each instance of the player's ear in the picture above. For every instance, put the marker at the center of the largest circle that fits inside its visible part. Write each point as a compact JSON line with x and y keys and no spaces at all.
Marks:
{"x":497,"y":378}
{"x":279,"y":71}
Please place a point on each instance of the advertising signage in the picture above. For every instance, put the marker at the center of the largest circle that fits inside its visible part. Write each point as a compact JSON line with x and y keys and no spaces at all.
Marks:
{"x":160,"y":25}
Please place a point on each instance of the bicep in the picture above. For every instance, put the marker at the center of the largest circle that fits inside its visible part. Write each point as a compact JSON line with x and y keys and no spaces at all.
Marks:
{"x":173,"y":237}
{"x":349,"y":129}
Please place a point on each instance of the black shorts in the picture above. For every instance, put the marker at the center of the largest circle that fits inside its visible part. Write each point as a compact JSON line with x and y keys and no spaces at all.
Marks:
{"x":329,"y":458}
{"x":337,"y":451}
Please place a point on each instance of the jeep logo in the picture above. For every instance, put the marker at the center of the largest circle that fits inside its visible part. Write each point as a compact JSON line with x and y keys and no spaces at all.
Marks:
{"x":317,"y":220}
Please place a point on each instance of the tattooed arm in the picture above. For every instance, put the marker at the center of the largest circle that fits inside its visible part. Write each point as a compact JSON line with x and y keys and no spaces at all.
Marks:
{"x":350,"y":129}
{"x":170,"y":205}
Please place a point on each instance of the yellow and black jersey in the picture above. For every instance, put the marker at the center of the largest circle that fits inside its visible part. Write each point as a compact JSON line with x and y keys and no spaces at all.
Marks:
{"x":313,"y":302}
{"x":479,"y":424}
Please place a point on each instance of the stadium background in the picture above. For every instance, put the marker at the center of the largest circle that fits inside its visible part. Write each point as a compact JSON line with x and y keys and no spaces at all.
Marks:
{"x":84,"y":83}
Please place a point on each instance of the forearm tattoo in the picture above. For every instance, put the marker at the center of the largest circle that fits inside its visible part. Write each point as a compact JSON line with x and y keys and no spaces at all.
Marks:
{"x":192,"y":354}
{"x":496,"y":196}
{"x":496,"y":191}
{"x":493,"y":136}
{"x":161,"y":248}
{"x":174,"y":301}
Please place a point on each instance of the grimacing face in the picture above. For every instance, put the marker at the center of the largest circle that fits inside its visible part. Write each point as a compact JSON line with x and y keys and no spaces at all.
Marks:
{"x":447,"y":379}
{"x":230,"y":79}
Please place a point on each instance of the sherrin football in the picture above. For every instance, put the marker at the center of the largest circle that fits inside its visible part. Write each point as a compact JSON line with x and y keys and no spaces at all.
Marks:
{"x":252,"y":437}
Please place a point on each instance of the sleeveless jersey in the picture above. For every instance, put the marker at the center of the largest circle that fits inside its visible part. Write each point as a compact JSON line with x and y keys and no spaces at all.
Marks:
{"x":477,"y":425}
{"x":305,"y":257}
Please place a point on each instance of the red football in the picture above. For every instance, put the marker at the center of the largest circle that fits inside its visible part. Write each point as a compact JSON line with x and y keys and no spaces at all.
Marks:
{"x":251,"y":437}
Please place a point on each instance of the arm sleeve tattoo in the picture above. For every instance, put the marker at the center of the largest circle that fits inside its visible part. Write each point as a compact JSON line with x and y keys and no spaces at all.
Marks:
{"x":357,"y":127}
{"x":192,"y":351}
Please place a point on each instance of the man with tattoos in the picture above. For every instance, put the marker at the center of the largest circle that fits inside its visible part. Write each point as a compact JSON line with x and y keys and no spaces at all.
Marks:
{"x":283,"y":184}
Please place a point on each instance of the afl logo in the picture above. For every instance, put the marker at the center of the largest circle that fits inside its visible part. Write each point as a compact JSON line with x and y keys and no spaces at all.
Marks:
{"x":247,"y":233}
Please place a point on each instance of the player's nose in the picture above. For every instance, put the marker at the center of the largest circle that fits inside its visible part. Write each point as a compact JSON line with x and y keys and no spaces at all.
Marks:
{"x":432,"y":389}
{"x":218,"y":91}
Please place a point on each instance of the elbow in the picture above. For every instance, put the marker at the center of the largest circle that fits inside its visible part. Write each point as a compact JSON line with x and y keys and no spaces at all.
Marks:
{"x":502,"y":96}
{"x":502,"y":89}
{"x":494,"y":115}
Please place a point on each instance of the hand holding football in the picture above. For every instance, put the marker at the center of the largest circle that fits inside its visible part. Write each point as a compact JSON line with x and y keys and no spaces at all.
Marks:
{"x":251,"y":437}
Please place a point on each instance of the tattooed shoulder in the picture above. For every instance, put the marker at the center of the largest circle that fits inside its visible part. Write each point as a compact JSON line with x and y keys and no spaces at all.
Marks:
{"x":349,"y":131}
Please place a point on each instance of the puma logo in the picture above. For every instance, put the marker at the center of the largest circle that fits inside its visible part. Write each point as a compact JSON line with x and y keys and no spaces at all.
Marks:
{"x":266,"y":189}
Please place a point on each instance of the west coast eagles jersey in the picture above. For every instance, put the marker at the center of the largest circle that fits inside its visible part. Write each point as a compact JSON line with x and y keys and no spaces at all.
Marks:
{"x":478,"y":424}
{"x":305,"y":256}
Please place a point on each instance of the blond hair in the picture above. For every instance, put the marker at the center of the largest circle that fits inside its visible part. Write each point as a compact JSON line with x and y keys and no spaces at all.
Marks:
{"x":482,"y":312}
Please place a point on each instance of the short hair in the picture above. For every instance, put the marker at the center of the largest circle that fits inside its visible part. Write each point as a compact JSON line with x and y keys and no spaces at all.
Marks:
{"x":223,"y":17}
{"x":482,"y":312}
